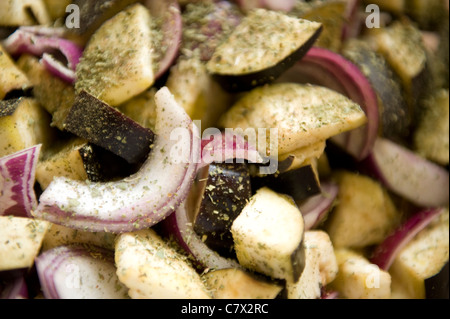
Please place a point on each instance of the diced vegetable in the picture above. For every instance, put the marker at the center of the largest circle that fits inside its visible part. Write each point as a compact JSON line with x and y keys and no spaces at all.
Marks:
{"x":105,"y":126}
{"x":299,"y":158}
{"x":304,"y":114}
{"x":357,"y":278}
{"x":431,"y":139}
{"x":407,"y":174}
{"x":17,"y":179}
{"x":79,"y":272}
{"x":239,"y":284}
{"x":224,"y":190}
{"x":11,"y":77}
{"x":332,"y":70}
{"x":92,"y":15}
{"x":20,"y":241}
{"x":116,"y":64}
{"x":195,"y":90}
{"x":13,"y":285}
{"x":141,"y":200}
{"x":276,"y":5}
{"x":23,"y":124}
{"x":16,"y":13}
{"x":256,"y":53}
{"x":300,"y":184}
{"x":364,"y":215}
{"x":424,"y":256}
{"x":320,"y":267}
{"x":52,"y":93}
{"x":395,"y":116}
{"x":268,"y":236}
{"x":150,"y":268}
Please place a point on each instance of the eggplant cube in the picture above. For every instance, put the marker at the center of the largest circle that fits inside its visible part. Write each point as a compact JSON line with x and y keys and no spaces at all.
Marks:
{"x":21,"y":240}
{"x":268,"y":236}
{"x":23,"y":124}
{"x":11,"y":77}
{"x":117,"y":63}
{"x":264,"y":45}
{"x":227,"y":190}
{"x":108,"y":128}
{"x":422,"y":258}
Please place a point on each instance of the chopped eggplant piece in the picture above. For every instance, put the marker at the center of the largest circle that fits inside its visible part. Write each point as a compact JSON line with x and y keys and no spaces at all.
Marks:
{"x":364,"y":215}
{"x":196,"y":91}
{"x":357,"y":278}
{"x":80,"y":160}
{"x":15,"y":13}
{"x":108,"y":128}
{"x":296,"y":159}
{"x":268,"y":236}
{"x":402,"y":45}
{"x":437,"y":287}
{"x":93,"y":13}
{"x":301,"y":183}
{"x":23,"y":124}
{"x":225,"y":192}
{"x":333,"y":16}
{"x":239,"y":284}
{"x":396,"y":117}
{"x":303,"y":114}
{"x":431,"y":139}
{"x":151,"y":268}
{"x":320,"y":267}
{"x":117,"y":62}
{"x":55,"y":95}
{"x":264,"y":45}
{"x":21,"y":240}
{"x":422,"y":258}
{"x":11,"y":77}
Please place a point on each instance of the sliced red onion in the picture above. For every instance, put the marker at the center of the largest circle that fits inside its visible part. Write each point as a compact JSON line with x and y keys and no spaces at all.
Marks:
{"x":43,"y":43}
{"x":385,"y":254}
{"x":79,"y":272}
{"x":13,"y":284}
{"x":407,"y":174}
{"x":141,"y":200}
{"x":329,"y":294}
{"x":180,"y":225}
{"x":17,"y":179}
{"x":316,"y":208}
{"x":225,"y":147}
{"x":276,"y":5}
{"x":329,"y":69}
{"x":172,"y":29}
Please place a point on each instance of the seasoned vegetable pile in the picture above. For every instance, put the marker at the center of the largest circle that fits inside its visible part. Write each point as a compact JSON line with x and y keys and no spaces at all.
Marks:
{"x":224,"y":149}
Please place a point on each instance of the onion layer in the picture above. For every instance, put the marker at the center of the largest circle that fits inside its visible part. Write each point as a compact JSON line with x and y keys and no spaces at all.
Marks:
{"x":329,"y":69}
{"x":17,"y":178}
{"x":385,"y":254}
{"x":42,"y":42}
{"x":141,"y":200}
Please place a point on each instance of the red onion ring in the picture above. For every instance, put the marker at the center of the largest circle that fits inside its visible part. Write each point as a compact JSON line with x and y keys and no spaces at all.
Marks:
{"x":17,"y":178}
{"x":141,"y":200}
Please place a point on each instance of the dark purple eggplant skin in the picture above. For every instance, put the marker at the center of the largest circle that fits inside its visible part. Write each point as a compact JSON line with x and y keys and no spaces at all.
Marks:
{"x":93,"y":13}
{"x":299,"y":184}
{"x":227,"y":191}
{"x":247,"y":82}
{"x":396,"y":117}
{"x":437,"y":287}
{"x":104,"y":126}
{"x":103,"y":166}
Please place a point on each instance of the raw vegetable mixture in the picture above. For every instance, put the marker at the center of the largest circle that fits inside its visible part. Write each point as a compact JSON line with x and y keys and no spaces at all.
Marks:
{"x":241,"y":149}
